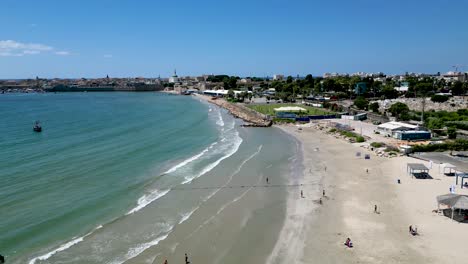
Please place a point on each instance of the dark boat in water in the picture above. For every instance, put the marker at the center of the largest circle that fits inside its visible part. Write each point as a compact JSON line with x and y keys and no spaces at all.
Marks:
{"x":37,"y":127}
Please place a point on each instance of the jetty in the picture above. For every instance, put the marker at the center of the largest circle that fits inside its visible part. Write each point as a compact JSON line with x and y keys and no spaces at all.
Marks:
{"x":252,"y":118}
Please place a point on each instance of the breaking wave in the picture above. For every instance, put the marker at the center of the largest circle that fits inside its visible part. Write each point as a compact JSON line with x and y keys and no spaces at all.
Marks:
{"x":235,"y":146}
{"x":147,"y":199}
{"x":191,"y":159}
{"x":62,"y":247}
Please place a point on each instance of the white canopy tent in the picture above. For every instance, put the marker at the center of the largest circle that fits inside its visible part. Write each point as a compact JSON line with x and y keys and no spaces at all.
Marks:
{"x":448,"y":169}
{"x":454,"y":201}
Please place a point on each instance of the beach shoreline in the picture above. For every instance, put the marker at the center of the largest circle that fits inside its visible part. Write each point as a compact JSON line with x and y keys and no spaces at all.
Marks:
{"x":250,"y":117}
{"x":315,"y":233}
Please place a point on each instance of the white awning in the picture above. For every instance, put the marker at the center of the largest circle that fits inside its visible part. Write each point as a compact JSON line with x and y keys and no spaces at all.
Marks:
{"x":290,"y":109}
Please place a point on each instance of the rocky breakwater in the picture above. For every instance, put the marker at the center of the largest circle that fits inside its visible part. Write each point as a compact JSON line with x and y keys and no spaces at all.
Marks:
{"x":251,"y":117}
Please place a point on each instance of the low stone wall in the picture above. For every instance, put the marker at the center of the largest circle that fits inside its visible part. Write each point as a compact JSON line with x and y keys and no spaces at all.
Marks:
{"x":250,"y":116}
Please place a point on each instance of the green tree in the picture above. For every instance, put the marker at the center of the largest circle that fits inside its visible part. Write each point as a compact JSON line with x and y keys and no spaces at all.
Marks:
{"x":361,"y":103}
{"x":458,"y":88}
{"x":437,"y":98}
{"x":230,"y":93}
{"x":289,"y":79}
{"x":434,"y":123}
{"x":452,"y":133}
{"x":309,"y":80}
{"x":423,"y":89}
{"x":328,"y":84}
{"x":374,"y":107}
{"x":398,"y":109}
{"x":376,"y":88}
{"x":230,"y":82}
{"x":389,"y":92}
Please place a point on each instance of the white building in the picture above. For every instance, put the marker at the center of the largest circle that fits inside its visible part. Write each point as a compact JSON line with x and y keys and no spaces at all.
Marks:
{"x":404,"y":87}
{"x":387,"y":129}
{"x":174,"y":78}
{"x":245,"y":80}
{"x":278,"y":77}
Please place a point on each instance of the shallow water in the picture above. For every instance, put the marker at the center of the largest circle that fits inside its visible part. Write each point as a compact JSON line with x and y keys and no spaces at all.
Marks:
{"x":136,"y":177}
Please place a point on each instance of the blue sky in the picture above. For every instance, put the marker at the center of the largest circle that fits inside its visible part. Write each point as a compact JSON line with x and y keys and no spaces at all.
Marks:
{"x":92,"y":38}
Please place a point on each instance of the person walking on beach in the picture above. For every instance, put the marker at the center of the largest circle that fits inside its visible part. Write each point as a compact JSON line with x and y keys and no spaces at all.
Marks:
{"x":367,"y":170}
{"x":267,"y":180}
{"x":186,"y":259}
{"x":323,"y":193}
{"x":375,"y":208}
{"x":302,"y":194}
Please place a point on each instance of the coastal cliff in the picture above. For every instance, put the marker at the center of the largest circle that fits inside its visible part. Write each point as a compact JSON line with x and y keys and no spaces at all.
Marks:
{"x":251,"y":117}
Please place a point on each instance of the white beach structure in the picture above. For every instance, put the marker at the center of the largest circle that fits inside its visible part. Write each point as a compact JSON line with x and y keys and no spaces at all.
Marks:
{"x":390,"y":127}
{"x":290,"y":109}
{"x":448,"y":169}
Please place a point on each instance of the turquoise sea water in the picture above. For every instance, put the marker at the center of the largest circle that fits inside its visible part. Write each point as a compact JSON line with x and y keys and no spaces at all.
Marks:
{"x":108,"y":179}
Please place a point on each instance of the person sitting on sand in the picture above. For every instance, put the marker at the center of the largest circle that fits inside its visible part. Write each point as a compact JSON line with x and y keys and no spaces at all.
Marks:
{"x":348,"y":243}
{"x":413,"y":231}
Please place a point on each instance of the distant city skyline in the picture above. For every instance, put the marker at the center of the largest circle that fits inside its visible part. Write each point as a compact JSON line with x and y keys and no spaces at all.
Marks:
{"x":92,"y":39}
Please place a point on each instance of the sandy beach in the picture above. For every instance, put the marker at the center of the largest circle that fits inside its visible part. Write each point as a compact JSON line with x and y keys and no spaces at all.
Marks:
{"x":315,"y":233}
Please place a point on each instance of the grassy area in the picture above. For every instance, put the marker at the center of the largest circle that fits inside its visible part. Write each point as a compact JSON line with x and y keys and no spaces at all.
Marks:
{"x":268,"y":109}
{"x":377,"y":144}
{"x":283,"y":120}
{"x":348,"y":134}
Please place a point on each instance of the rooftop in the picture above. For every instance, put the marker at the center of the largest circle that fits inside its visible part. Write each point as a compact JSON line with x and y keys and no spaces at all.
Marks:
{"x":394,"y":125}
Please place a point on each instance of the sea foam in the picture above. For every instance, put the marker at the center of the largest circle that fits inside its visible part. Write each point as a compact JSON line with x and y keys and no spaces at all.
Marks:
{"x":55,"y":251}
{"x":186,"y":216}
{"x":236,"y":144}
{"x":191,"y":159}
{"x":135,"y":251}
{"x":63,"y":247}
{"x":147,"y":199}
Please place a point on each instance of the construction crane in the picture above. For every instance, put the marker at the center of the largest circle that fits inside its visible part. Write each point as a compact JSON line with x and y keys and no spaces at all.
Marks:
{"x":458,"y":66}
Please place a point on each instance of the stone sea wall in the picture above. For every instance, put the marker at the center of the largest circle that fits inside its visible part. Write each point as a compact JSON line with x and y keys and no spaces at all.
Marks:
{"x":251,"y":117}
